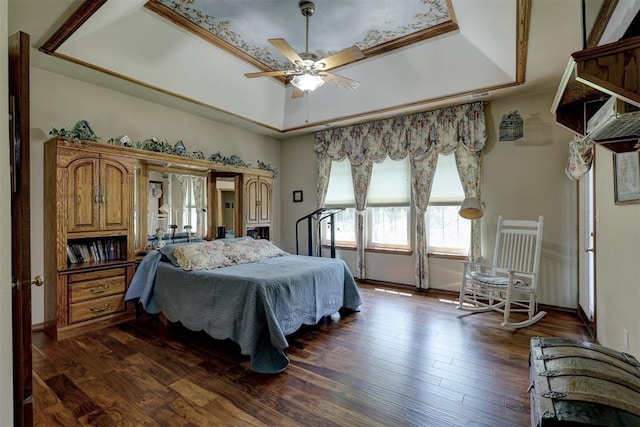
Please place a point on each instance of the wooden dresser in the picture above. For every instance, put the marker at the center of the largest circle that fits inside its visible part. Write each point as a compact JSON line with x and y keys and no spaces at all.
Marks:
{"x":89,"y":251}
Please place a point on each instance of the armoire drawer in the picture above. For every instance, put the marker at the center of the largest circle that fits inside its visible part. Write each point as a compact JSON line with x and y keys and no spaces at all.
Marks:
{"x":94,"y":308}
{"x":92,"y":289}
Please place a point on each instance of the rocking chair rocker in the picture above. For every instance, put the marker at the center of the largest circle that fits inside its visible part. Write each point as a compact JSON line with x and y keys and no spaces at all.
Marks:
{"x":509,"y":284}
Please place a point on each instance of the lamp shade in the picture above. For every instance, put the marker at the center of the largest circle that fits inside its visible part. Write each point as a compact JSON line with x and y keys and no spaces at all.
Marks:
{"x":307,"y":82}
{"x":471,"y":208}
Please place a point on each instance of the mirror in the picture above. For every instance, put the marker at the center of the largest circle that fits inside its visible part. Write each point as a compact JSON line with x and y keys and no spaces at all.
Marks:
{"x":176,"y":205}
{"x":226,"y":198}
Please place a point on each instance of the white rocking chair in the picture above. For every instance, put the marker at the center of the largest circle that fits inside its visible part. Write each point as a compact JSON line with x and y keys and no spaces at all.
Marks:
{"x":509,"y":284}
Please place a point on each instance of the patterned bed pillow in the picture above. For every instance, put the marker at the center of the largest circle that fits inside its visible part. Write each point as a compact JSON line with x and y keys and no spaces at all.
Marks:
{"x":167,"y":251}
{"x":202,"y":256}
{"x":250,"y":250}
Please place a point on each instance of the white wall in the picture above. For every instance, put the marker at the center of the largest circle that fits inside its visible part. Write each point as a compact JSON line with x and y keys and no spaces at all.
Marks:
{"x":524,"y":179}
{"x":617,"y":262}
{"x":521,"y":179}
{"x":57,"y":101}
{"x":6,"y":356}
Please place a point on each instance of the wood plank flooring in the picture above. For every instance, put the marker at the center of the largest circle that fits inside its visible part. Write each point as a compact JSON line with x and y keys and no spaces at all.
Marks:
{"x":407,"y":359}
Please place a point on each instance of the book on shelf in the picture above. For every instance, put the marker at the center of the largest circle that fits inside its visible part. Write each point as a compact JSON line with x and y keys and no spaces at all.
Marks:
{"x":98,"y":250}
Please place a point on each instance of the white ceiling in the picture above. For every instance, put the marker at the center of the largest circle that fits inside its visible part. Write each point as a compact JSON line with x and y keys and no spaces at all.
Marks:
{"x":127,"y":47}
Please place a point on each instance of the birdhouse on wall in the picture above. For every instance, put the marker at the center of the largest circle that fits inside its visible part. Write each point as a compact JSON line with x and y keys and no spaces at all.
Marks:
{"x":511,"y":126}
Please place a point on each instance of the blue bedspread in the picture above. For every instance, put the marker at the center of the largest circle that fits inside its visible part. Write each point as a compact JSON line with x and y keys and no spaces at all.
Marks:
{"x":255,"y":305}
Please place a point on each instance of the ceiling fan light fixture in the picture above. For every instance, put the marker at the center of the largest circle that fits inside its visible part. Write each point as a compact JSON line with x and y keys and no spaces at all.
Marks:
{"x":307,"y":82}
{"x":308,"y":72}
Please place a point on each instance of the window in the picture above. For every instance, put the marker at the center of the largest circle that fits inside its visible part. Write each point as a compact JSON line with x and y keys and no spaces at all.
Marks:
{"x":388,"y":213}
{"x":345,"y":228}
{"x":388,"y":216}
{"x":190,"y":213}
{"x":340,"y":194}
{"x":388,"y":205}
{"x":449,"y":233}
{"x":389,"y":227}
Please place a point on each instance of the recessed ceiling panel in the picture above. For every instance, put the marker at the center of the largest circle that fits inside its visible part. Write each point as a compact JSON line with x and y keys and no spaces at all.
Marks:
{"x":243,"y":26}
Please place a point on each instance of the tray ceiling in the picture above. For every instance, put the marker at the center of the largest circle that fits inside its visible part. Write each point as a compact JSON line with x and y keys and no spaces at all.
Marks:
{"x":243,"y":27}
{"x":193,"y":54}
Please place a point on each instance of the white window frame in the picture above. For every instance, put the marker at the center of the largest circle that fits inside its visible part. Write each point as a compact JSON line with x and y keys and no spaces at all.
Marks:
{"x":446,"y":250}
{"x":369,"y":244}
{"x":325,"y":234}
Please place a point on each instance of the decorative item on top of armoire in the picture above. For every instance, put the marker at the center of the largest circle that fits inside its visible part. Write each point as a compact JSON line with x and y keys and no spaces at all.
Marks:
{"x":180,"y":149}
{"x":511,"y":126}
{"x":82,"y":131}
{"x":268,"y":167}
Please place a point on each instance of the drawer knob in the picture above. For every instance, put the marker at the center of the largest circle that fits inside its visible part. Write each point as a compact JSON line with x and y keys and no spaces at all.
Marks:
{"x":100,"y":289}
{"x":99,"y":309}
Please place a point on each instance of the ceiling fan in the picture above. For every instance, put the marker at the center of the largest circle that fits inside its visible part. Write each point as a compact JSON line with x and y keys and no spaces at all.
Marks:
{"x":309,"y":72}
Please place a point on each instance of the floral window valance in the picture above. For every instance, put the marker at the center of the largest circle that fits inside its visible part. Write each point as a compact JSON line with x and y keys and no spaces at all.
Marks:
{"x":413,"y":134}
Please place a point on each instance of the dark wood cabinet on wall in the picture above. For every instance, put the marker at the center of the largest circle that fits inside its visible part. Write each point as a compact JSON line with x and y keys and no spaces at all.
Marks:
{"x":89,"y":255}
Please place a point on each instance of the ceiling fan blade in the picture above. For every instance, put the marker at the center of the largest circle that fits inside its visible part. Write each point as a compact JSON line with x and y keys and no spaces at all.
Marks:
{"x":345,"y":56}
{"x":269,"y":73}
{"x":341,"y":81}
{"x":297,"y":93}
{"x":286,"y":49}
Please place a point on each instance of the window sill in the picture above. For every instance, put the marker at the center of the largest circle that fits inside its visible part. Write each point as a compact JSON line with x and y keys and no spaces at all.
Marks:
{"x":374,"y":250}
{"x":401,"y":252}
{"x":448,"y":256}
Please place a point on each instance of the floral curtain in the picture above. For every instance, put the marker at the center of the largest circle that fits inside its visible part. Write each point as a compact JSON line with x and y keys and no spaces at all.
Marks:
{"x":361,"y":176}
{"x":422,"y":172}
{"x":421,"y":136}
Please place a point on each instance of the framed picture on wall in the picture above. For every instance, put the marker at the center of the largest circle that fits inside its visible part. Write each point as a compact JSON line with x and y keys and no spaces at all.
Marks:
{"x":297,"y":196}
{"x":626,"y":170}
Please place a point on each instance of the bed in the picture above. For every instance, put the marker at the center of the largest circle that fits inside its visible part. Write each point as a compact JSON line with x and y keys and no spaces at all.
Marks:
{"x":243,"y":289}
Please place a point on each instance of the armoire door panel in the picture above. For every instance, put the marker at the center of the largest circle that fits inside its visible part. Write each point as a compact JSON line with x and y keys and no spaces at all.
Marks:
{"x":83,"y":203}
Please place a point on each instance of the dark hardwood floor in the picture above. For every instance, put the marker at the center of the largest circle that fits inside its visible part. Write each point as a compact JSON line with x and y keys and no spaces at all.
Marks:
{"x":407,"y":358}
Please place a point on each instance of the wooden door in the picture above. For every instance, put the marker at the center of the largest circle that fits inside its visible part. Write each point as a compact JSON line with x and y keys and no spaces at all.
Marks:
{"x":114,"y":194}
{"x":20,"y":234}
{"x":83,"y":200}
